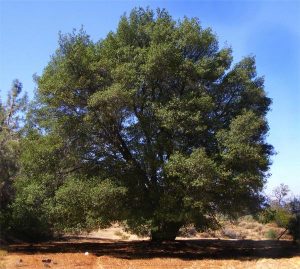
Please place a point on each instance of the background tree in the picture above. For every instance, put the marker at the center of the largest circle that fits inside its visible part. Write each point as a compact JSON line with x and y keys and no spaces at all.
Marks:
{"x":11,"y":119}
{"x":155,"y":124}
{"x":280,"y":194}
{"x":284,"y":210}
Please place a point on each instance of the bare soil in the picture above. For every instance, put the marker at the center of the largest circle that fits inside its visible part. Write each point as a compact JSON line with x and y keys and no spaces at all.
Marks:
{"x":243,"y":244}
{"x":113,"y":254}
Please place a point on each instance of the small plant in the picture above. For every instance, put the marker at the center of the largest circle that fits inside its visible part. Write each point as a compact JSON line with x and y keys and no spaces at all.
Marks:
{"x":187,"y":231}
{"x":248,"y":218}
{"x":231,"y":234}
{"x":271,"y":234}
{"x":259,"y":228}
{"x":118,"y":233}
{"x":250,"y":226}
{"x":267,"y":215}
{"x":123,"y":236}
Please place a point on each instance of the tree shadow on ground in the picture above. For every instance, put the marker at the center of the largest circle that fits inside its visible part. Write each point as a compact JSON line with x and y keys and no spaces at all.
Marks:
{"x":181,"y":249}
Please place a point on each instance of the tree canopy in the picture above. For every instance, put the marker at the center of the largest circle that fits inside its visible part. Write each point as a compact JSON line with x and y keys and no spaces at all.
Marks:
{"x":153,"y":126}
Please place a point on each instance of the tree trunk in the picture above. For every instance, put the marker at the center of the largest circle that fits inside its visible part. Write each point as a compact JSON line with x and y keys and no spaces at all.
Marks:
{"x":166,"y":231}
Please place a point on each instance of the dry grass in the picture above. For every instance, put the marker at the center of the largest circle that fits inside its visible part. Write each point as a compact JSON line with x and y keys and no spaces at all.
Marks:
{"x":114,"y":248}
{"x":58,"y":261}
{"x":112,"y":263}
{"x":245,"y":228}
{"x":193,"y":254}
{"x":71,"y":261}
{"x":115,"y":232}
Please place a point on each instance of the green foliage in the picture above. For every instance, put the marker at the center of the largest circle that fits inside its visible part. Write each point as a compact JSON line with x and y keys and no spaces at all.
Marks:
{"x":152,"y":126}
{"x":11,"y":121}
{"x":271,"y":234}
{"x":70,"y":205}
{"x":280,"y":215}
{"x":294,"y":227}
{"x":34,"y":185}
{"x":283,"y":211}
{"x":294,"y":223}
{"x":29,"y":219}
{"x":267,"y":215}
{"x":81,"y":204}
{"x":283,"y":217}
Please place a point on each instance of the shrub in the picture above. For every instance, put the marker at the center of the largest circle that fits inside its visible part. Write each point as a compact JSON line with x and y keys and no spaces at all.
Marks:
{"x":294,"y":227}
{"x":187,"y":231}
{"x":125,"y":237}
{"x":284,"y":212}
{"x":271,"y":234}
{"x":29,"y":220}
{"x":282,"y":217}
{"x":258,"y":228}
{"x":251,"y":225}
{"x":232,"y":234}
{"x":5,"y":216}
{"x":118,"y":233}
{"x":248,"y":218}
{"x":267,"y":215}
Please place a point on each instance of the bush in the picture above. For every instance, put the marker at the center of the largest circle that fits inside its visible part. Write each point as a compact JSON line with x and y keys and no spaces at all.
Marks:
{"x":5,"y":216}
{"x":294,"y":227}
{"x":271,"y":234}
{"x":232,"y":234}
{"x":282,"y":217}
{"x":248,"y":218}
{"x":29,"y":220}
{"x":284,"y":212}
{"x":187,"y":231}
{"x":267,"y":215}
{"x":250,"y":225}
{"x":294,"y":224}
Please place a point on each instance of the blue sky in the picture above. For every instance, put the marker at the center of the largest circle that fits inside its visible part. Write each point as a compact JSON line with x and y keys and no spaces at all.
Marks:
{"x":267,"y":29}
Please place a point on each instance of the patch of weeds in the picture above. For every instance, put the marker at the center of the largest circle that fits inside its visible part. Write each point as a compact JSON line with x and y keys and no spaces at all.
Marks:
{"x":250,"y":226}
{"x":232,"y":234}
{"x":259,"y":228}
{"x":187,"y":231}
{"x":121,"y":235}
{"x":248,"y":218}
{"x":125,"y":237}
{"x":118,"y":233}
{"x":271,"y":234}
{"x":205,"y":235}
{"x":243,"y":224}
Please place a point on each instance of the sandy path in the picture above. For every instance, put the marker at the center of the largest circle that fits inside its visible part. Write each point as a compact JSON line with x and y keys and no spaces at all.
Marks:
{"x":80,"y":261}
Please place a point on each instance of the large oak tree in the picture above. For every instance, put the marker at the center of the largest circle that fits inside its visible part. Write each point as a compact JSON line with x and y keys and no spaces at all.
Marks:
{"x":153,"y":126}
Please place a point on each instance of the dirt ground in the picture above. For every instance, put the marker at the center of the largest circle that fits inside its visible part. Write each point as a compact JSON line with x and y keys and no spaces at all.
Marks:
{"x":104,"y":253}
